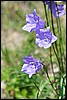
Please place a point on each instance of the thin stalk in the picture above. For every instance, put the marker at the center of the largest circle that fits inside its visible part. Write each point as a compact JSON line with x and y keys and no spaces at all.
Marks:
{"x":46,"y":79}
{"x":60,"y":46}
{"x":37,"y":89}
{"x":46,"y":14}
{"x":54,"y":33}
{"x":50,"y":51}
{"x":52,"y":26}
{"x":51,"y":62}
{"x":50,"y":47}
{"x":60,"y":57}
{"x":60,"y":39}
{"x":52,"y":22}
{"x":60,"y":29}
{"x":58,"y":32}
{"x":51,"y":84}
{"x":56,"y":56}
{"x":49,"y":79}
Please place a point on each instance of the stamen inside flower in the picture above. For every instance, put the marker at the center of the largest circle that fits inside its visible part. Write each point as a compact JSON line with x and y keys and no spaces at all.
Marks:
{"x":47,"y":38}
{"x":33,"y":63}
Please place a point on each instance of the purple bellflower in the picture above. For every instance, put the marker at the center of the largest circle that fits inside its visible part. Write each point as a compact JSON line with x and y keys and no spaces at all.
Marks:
{"x":34,"y":22}
{"x":45,"y":38}
{"x":31,"y":65}
{"x":57,"y":9}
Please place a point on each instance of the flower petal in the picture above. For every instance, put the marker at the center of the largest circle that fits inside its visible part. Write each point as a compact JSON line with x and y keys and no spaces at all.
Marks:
{"x":42,"y":43}
{"x":30,"y":75}
{"x":30,"y":18}
{"x":34,"y":22}
{"x":28,"y":27}
{"x":54,"y":38}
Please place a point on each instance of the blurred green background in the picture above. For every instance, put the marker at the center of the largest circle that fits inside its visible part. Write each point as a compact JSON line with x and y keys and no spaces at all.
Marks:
{"x":16,"y":43}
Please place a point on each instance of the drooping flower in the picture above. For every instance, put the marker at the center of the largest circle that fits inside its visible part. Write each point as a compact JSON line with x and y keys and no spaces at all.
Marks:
{"x":45,"y":38}
{"x":31,"y":65}
{"x":57,"y":9}
{"x":34,"y":22}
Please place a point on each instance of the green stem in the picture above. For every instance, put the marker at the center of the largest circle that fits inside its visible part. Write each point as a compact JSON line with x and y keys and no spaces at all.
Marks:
{"x":37,"y":89}
{"x":53,"y":30}
{"x":52,"y":22}
{"x":56,"y":56}
{"x":52,"y":63}
{"x":51,"y":83}
{"x":45,"y":69}
{"x":50,"y":47}
{"x":46,"y":14}
{"x":60,"y":39}
{"x":50,"y":50}
{"x":55,"y":42}
{"x":54,"y":33}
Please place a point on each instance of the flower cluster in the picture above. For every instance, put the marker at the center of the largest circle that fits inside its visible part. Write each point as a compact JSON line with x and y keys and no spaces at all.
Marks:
{"x":44,"y":38}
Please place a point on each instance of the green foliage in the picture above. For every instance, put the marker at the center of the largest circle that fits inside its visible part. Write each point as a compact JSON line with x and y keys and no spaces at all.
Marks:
{"x":6,"y":55}
{"x":62,"y":87}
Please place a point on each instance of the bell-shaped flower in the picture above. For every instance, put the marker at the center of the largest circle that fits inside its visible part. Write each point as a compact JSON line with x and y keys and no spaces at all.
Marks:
{"x":31,"y":65}
{"x":34,"y":22}
{"x":45,"y":38}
